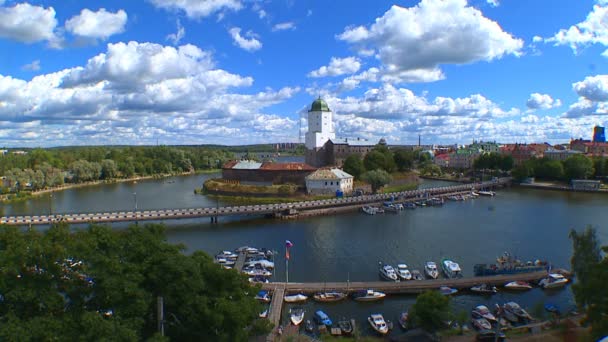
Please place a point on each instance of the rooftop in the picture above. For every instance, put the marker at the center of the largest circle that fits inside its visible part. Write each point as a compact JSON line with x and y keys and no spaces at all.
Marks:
{"x":319,"y":106}
{"x":352,"y":142}
{"x":328,"y":174}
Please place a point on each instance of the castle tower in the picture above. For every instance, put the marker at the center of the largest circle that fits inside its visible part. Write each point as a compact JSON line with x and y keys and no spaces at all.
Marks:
{"x":320,"y":130}
{"x":598,"y":134}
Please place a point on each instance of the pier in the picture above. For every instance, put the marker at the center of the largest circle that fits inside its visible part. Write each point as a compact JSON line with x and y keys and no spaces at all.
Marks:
{"x":290,"y":209}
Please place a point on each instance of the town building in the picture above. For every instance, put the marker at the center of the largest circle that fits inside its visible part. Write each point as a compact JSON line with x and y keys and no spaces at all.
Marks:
{"x":442,"y":160}
{"x":463,"y":158}
{"x":579,"y":145}
{"x":560,"y":155}
{"x":266,"y":173}
{"x":519,"y":152}
{"x":598,"y":135}
{"x":485,"y":146}
{"x":540,"y":149}
{"x":329,"y":182}
{"x":586,"y":184}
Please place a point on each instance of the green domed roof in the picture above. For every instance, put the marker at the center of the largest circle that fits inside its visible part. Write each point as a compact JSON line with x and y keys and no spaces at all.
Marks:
{"x":319,"y":106}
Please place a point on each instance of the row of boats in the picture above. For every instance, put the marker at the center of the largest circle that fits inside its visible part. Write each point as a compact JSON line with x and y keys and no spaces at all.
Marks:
{"x":450,"y":268}
{"x":258,"y":263}
{"x":392,"y":206}
{"x":325,"y":297}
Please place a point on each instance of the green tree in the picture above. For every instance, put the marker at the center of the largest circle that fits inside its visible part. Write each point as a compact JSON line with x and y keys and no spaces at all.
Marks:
{"x":404,"y":160}
{"x":430,"y":311}
{"x":377,"y":179}
{"x":578,"y":167}
{"x":109,"y":169}
{"x":431,"y":170}
{"x":548,"y":169}
{"x":522,"y":171}
{"x":353,"y":165}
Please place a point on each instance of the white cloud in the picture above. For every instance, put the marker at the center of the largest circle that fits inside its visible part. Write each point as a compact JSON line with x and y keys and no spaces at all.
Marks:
{"x":337,"y":66}
{"x":98,"y":25}
{"x":493,"y":3}
{"x":593,"y":30}
{"x":198,"y":8}
{"x":176,"y":37}
{"x":289,"y":25}
{"x":593,"y":88}
{"x":415,"y":39}
{"x":542,"y":101}
{"x":26,"y":23}
{"x":262,"y":14}
{"x":34,"y":66}
{"x":247,"y":42}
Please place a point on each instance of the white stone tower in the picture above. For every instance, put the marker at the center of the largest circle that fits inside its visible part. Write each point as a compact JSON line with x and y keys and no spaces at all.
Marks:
{"x":320,"y":125}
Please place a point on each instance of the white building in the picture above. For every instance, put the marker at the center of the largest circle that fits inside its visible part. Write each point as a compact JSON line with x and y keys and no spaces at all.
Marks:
{"x":320,"y":125}
{"x":328,"y":182}
{"x":560,"y":155}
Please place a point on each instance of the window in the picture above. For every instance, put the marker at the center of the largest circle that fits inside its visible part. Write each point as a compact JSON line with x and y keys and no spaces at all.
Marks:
{"x":325,"y":183}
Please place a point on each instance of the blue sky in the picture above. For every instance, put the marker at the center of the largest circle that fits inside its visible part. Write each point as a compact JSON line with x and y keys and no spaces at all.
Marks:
{"x":241,"y":72}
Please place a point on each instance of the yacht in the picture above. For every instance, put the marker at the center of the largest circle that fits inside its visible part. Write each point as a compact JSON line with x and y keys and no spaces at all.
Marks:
{"x":430,"y":269}
{"x":403,"y":272}
{"x":377,"y":322}
{"x":227,"y":255}
{"x":331,"y":296}
{"x":518,"y":285}
{"x":387,"y":272}
{"x":368,"y":295}
{"x":451,"y":269}
{"x":295,"y":298}
{"x":296,"y":315}
{"x":486,"y":193}
{"x":553,"y":280}
{"x":482,"y":311}
{"x":484,"y":289}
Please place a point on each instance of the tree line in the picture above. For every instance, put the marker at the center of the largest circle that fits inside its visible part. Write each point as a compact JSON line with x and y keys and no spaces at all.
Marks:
{"x":575,"y":167}
{"x":41,"y":168}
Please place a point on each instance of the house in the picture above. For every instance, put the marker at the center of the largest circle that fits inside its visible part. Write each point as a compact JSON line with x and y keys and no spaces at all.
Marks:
{"x":442,"y":160}
{"x":267,"y":173}
{"x":560,"y":155}
{"x":329,"y":182}
{"x":519,"y":152}
{"x":464,"y":158}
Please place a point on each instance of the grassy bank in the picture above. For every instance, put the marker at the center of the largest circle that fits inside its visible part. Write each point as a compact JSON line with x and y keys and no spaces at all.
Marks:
{"x":219,"y":187}
{"x":399,"y":188}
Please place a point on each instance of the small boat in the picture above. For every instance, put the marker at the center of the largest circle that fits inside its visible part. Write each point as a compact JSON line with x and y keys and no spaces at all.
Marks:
{"x":259,"y":279}
{"x":263,"y":263}
{"x":481,"y":324}
{"x":430,"y":269}
{"x":403,"y":272}
{"x":387,"y":272}
{"x":451,"y":268}
{"x":224,"y":262}
{"x":295,"y":298}
{"x":253,"y":272}
{"x":403,"y":320}
{"x":331,"y":296}
{"x":515,"y":309}
{"x":486,"y":193}
{"x":518,"y":285}
{"x":484,"y":288}
{"x":296,"y":315}
{"x":227,"y":255}
{"x":378,"y":324}
{"x":263,"y":314}
{"x":321,"y":318}
{"x":369,"y":210}
{"x":474,"y":194}
{"x":263,"y":296}
{"x":379,"y":210}
{"x":446,"y":291}
{"x":345,"y":326}
{"x":309,"y":326}
{"x":416,"y":275}
{"x":409,"y":205}
{"x":552,"y":308}
{"x":367,"y":296}
{"x":554,"y":280}
{"x":482,"y":311}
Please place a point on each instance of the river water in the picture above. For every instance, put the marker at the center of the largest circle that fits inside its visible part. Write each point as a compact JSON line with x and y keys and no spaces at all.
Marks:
{"x":531,"y":224}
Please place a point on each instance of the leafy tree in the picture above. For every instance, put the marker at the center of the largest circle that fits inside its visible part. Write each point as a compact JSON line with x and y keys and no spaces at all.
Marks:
{"x":376,"y":178}
{"x":522,"y":172}
{"x":548,"y":169}
{"x":506,"y":163}
{"x":600,"y":166}
{"x":109,"y":169}
{"x":431,"y":170}
{"x":380,"y":158}
{"x":430,"y":311}
{"x":404,"y":160}
{"x":353,"y":165}
{"x":578,"y":167}
{"x":493,"y":161}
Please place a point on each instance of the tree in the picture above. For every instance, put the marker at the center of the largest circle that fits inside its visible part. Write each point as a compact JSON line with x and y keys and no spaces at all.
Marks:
{"x":578,"y":167}
{"x":431,"y":170}
{"x":109,"y":169}
{"x":376,"y":178}
{"x":592,"y":276}
{"x":353,"y":165}
{"x":404,"y":160}
{"x":548,"y":169}
{"x":430,"y":311}
{"x":522,"y":172}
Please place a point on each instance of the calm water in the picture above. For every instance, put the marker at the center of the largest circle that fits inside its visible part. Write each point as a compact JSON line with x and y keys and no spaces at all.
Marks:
{"x":531,"y":224}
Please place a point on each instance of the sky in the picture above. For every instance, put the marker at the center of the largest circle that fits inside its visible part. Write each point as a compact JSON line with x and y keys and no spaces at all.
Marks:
{"x":235,"y":72}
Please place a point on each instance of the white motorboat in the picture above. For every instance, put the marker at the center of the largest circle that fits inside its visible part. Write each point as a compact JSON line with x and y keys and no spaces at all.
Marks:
{"x":295,"y":298}
{"x":331,"y":296}
{"x":486,"y":193}
{"x":416,"y":275}
{"x":515,"y":309}
{"x":378,"y":323}
{"x":261,"y":262}
{"x":224,"y":262}
{"x":554,"y":280}
{"x":518,"y":285}
{"x":227,"y":255}
{"x":253,"y":272}
{"x":296,"y":315}
{"x":482,"y":311}
{"x":484,"y":289}
{"x":403,"y":272}
{"x":369,"y":210}
{"x":481,"y":324}
{"x":387,"y":272}
{"x":430,"y":269}
{"x":451,"y":268}
{"x":368,"y":295}
{"x":446,"y":290}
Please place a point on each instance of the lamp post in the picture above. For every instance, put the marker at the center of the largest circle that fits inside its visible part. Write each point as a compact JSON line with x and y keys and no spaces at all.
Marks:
{"x":50,"y":204}
{"x":135,"y":206}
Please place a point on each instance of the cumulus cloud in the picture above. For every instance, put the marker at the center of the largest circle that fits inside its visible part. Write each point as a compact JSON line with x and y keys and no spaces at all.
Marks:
{"x":198,"y":8}
{"x":593,"y":88}
{"x":97,"y":25}
{"x":593,"y":30}
{"x":262,"y":14}
{"x":337,"y":66}
{"x":542,"y":101}
{"x":176,"y":37}
{"x":284,"y":26}
{"x":247,"y":42}
{"x":493,"y":3}
{"x":34,"y":66}
{"x":414,"y":39}
{"x":27,"y":23}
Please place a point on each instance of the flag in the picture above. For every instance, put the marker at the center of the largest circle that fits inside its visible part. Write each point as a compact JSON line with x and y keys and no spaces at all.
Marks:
{"x":288,"y":244}
{"x":287,"y":254}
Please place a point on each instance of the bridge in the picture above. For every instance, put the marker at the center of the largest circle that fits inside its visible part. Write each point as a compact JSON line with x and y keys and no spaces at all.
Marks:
{"x":277,"y":209}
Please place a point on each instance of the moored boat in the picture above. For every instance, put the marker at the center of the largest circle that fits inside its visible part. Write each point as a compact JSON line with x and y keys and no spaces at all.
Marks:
{"x":482,"y":311}
{"x":517,"y":310}
{"x":369,"y":210}
{"x":309,"y":326}
{"x":450,"y":268}
{"x":416,"y":275}
{"x":403,"y":320}
{"x":296,"y":315}
{"x":345,"y":326}
{"x":430,"y":269}
{"x":321,"y":318}
{"x":403,"y":272}
{"x":368,"y":295}
{"x":484,"y":289}
{"x":387,"y":272}
{"x":481,"y":324}
{"x":486,"y":193}
{"x":554,"y":280}
{"x":332,"y":296}
{"x":446,"y":291}
{"x":295,"y":298}
{"x":409,"y":205}
{"x":507,"y":264}
{"x":378,"y":323}
{"x":518,"y":285}
{"x":263,"y":296}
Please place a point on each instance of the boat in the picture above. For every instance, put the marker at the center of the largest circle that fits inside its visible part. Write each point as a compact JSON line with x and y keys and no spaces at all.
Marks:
{"x":388,"y":206}
{"x":259,"y":279}
{"x":368,"y":295}
{"x":518,"y":285}
{"x":261,"y":263}
{"x":409,"y":205}
{"x":379,"y":210}
{"x":378,"y":324}
{"x":554,"y":280}
{"x":296,"y":315}
{"x":309,"y":326}
{"x":482,"y":311}
{"x":430,"y":269}
{"x":263,"y":314}
{"x":322,"y":319}
{"x":507,"y":264}
{"x":403,"y":272}
{"x":263,"y":296}
{"x":295,"y":298}
{"x":435,"y":201}
{"x":515,"y":309}
{"x":331,"y":296}
{"x":451,"y":268}
{"x":227,"y":255}
{"x":481,"y":324}
{"x":484,"y":288}
{"x":552,"y":308}
{"x":345,"y":326}
{"x":404,"y":320}
{"x":369,"y":210}
{"x":224,"y":262}
{"x":416,"y":275}
{"x":446,"y":291}
{"x":387,"y":272}
{"x":253,"y":272}
{"x":486,"y":193}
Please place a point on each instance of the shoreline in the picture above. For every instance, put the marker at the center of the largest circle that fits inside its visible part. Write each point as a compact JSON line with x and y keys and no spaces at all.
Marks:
{"x":556,"y":187}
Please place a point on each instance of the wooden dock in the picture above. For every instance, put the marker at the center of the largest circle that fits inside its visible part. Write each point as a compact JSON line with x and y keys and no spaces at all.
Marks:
{"x":274,"y":313}
{"x":240,"y":261}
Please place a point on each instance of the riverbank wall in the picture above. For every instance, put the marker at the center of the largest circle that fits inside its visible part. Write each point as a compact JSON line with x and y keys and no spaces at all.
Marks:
{"x":557,"y":187}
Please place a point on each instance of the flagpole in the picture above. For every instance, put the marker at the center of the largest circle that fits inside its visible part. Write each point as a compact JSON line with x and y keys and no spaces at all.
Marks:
{"x":286,"y":265}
